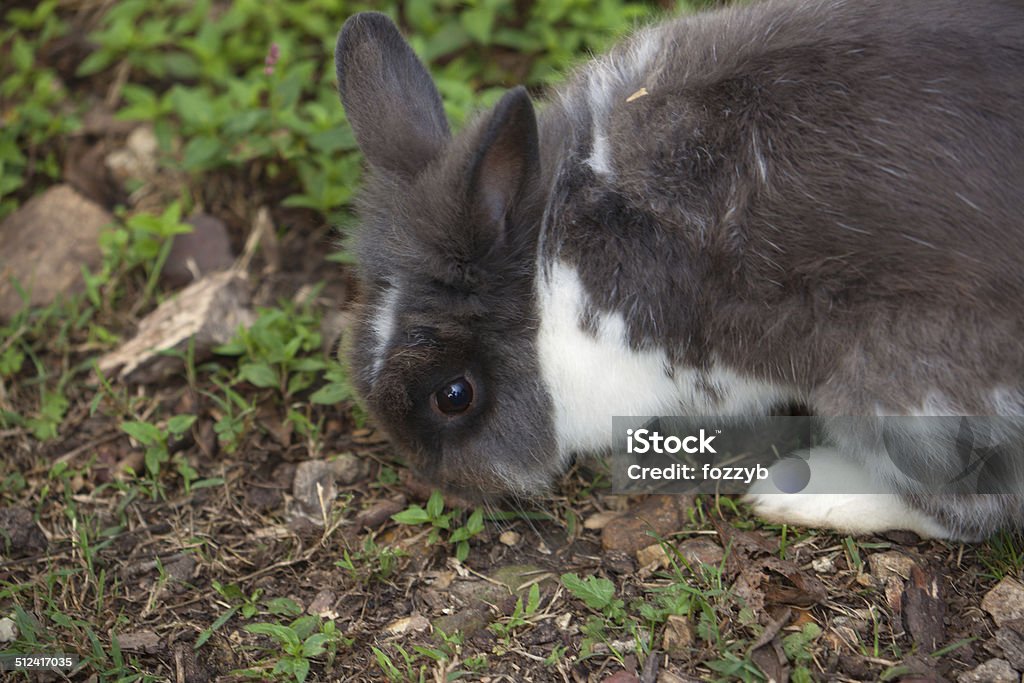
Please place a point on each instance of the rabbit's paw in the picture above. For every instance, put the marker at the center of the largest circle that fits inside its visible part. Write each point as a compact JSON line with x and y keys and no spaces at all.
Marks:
{"x":840,"y":495}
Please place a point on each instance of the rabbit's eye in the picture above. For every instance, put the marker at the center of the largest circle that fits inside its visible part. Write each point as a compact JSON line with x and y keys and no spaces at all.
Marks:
{"x":454,"y":397}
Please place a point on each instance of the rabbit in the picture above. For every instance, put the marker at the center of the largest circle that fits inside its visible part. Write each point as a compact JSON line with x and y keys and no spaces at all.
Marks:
{"x":812,"y":201}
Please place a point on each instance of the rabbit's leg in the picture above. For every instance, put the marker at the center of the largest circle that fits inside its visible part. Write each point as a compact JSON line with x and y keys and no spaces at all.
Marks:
{"x":836,"y":497}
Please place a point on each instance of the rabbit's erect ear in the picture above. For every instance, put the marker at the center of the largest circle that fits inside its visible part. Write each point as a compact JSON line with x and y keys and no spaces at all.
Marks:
{"x":507,"y":162}
{"x":390,"y":100}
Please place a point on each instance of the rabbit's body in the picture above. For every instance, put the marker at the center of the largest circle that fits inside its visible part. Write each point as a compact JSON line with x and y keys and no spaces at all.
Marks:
{"x":816,"y":201}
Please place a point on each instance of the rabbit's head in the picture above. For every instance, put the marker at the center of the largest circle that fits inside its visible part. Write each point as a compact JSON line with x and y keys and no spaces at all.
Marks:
{"x":443,"y":351}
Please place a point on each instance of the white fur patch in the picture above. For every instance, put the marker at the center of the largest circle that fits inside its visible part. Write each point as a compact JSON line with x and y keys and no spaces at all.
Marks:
{"x":600,"y":156}
{"x":383,"y":325}
{"x":611,"y":79}
{"x":824,"y":504}
{"x":592,"y":377}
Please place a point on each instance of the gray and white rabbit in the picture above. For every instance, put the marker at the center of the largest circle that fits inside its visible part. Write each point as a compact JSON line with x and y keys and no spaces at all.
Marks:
{"x":818,"y":201}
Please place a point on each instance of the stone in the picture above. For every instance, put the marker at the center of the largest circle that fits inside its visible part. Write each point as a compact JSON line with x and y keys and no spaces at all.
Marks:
{"x":992,"y":671}
{"x":1005,"y":602}
{"x":655,"y":516}
{"x":599,"y":520}
{"x":378,"y":513}
{"x":313,"y":490}
{"x":323,"y":604}
{"x":411,"y":624}
{"x":891,"y":563}
{"x":136,"y":161}
{"x":678,"y":637}
{"x":701,"y":551}
{"x":140,"y":641}
{"x":652,"y":557}
{"x":45,"y":244}
{"x":469,"y":621}
{"x":823,"y":565}
{"x":509,"y":538}
{"x":205,"y":250}
{"x":348,"y":468}
{"x":19,"y":534}
{"x":1011,"y":644}
{"x":8,"y":630}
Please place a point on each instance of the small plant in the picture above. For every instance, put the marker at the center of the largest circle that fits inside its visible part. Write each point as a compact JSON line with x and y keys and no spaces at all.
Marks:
{"x":598,"y":594}
{"x":372,"y":563}
{"x":410,"y":673}
{"x":440,"y":520}
{"x":520,"y":616}
{"x":155,"y":439}
{"x":282,"y":351}
{"x":37,"y":115}
{"x":797,"y":649}
{"x":298,"y":642}
{"x":232,"y":417}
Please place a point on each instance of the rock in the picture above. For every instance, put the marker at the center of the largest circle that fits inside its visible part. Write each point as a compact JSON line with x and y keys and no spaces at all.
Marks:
{"x":8,"y":630}
{"x":891,"y":563}
{"x":660,"y":515}
{"x":146,"y":642}
{"x":323,"y":604}
{"x":599,"y":520}
{"x":263,"y":497}
{"x":652,"y":557}
{"x":541,"y":634}
{"x":181,"y":571}
{"x":509,"y":538}
{"x":992,"y":671}
{"x":208,"y":312}
{"x":19,"y":533}
{"x":1011,"y":643}
{"x":348,"y":468}
{"x":468,"y":621}
{"x":823,"y":565}
{"x":678,"y":638}
{"x":477,"y":592}
{"x":205,"y":250}
{"x":517,"y":578}
{"x":622,"y":677}
{"x":313,"y":490}
{"x":411,"y":624}
{"x":378,"y":513}
{"x":136,"y":161}
{"x":45,"y":244}
{"x":701,"y":551}
{"x":619,"y":563}
{"x":1005,"y":602}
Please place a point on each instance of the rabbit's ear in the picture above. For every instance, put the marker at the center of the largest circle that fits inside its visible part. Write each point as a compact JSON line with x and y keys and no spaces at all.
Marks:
{"x":507,"y":162}
{"x":390,"y":100}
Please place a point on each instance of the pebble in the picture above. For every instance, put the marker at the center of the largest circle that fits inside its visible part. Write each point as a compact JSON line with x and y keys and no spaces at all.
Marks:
{"x":1005,"y":602}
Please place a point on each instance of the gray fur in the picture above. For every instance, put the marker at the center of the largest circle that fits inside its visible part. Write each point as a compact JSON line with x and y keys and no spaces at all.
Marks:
{"x":824,"y":195}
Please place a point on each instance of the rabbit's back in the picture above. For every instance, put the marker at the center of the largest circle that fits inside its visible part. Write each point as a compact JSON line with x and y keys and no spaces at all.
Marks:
{"x":821,"y":189}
